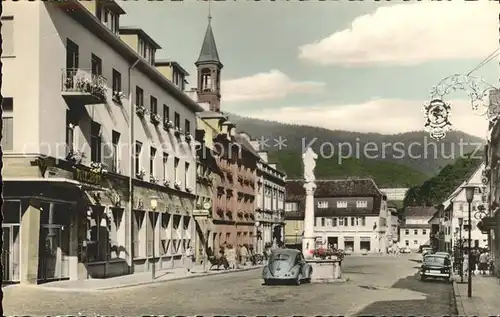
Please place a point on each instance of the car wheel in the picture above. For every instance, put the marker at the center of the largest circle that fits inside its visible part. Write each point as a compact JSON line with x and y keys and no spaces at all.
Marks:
{"x":299,"y":279}
{"x":422,"y":277}
{"x":266,"y":282}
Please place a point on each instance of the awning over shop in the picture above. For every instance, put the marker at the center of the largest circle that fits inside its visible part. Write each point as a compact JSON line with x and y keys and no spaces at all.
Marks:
{"x":349,"y":239}
{"x":97,"y":197}
{"x":365,"y":239}
{"x":187,"y":204}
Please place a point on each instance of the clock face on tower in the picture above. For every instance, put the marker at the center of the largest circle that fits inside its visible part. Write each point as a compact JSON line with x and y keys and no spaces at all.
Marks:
{"x":206,"y":206}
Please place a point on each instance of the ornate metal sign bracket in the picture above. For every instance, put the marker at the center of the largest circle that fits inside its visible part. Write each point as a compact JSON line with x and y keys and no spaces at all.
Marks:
{"x":484,"y":99}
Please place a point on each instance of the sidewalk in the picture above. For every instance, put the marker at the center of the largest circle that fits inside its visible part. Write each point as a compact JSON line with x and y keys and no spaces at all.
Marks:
{"x":137,"y":279}
{"x":484,"y":300}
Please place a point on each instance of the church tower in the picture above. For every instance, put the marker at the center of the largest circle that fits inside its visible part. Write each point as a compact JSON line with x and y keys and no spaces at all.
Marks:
{"x":209,"y":70}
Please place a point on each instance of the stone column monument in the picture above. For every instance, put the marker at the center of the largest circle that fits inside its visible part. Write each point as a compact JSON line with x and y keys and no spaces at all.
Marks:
{"x":309,"y":161}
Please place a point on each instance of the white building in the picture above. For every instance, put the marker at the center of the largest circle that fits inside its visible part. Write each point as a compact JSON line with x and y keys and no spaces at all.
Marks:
{"x":456,"y":206}
{"x":270,"y":193}
{"x":397,"y":194}
{"x":415,"y":229}
{"x":92,"y":130}
{"x":350,"y":214}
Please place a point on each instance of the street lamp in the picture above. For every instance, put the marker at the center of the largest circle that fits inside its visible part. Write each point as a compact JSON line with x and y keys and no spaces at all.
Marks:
{"x":469,"y":196}
{"x":154,"y":205}
{"x":460,"y":224}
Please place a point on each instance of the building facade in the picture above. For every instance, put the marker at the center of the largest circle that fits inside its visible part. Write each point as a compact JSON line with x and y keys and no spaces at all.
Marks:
{"x":415,"y":228}
{"x":396,"y":194}
{"x":350,"y":214}
{"x":270,"y":204}
{"x":108,"y":187}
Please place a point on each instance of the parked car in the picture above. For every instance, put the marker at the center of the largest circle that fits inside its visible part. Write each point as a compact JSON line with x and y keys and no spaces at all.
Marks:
{"x":425,"y":251}
{"x":287,"y":265}
{"x":423,"y":246}
{"x":436,"y":266}
{"x":405,"y":250}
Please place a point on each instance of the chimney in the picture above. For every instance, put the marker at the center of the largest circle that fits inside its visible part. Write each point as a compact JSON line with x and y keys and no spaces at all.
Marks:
{"x":263,"y":155}
{"x":192,"y":93}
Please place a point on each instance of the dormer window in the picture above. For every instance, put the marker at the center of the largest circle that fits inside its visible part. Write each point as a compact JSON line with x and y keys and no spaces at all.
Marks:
{"x":109,"y":15}
{"x":322,"y":204}
{"x":146,"y":51}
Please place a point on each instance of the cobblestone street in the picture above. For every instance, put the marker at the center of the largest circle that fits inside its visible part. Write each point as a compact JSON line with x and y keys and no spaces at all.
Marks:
{"x":377,"y":285}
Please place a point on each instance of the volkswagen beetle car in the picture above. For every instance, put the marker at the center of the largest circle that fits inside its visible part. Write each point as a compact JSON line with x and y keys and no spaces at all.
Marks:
{"x":436,"y":266}
{"x":287,"y":265}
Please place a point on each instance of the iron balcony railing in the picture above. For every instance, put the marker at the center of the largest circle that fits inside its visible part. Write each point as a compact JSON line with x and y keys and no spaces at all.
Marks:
{"x":84,"y":81}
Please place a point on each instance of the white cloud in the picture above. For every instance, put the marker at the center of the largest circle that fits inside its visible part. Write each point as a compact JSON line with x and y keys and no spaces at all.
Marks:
{"x":386,"y":116}
{"x":411,"y":34}
{"x":265,"y":86}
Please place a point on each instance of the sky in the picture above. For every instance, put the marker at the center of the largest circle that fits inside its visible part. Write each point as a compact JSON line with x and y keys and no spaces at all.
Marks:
{"x":356,"y":66}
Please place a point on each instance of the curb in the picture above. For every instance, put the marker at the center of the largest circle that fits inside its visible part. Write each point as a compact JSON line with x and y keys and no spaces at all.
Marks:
{"x":194,"y":275}
{"x":457,"y":297}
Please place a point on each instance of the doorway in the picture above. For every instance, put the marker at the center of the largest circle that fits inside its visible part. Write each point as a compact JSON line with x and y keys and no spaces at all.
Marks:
{"x":53,"y":249}
{"x":333,"y":242}
{"x":10,"y":253}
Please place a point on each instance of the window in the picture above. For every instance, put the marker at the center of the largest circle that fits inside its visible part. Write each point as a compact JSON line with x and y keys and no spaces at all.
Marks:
{"x":111,"y":20}
{"x":142,"y":48}
{"x":322,"y":204}
{"x":97,"y":248}
{"x":138,"y":150}
{"x":363,"y":221}
{"x":117,"y":83}
{"x":139,"y":97}
{"x":291,"y":206}
{"x":334,"y":222}
{"x":152,"y":155}
{"x":477,"y":191}
{"x":186,"y":175}
{"x":7,"y":36}
{"x":117,"y":234}
{"x":424,"y":232}
{"x":8,"y":124}
{"x":346,"y":222}
{"x":341,"y":222}
{"x":322,"y":222}
{"x":70,"y":133}
{"x":139,"y":234}
{"x":187,"y":126}
{"x":176,"y":169}
{"x":407,"y":242}
{"x":315,"y":221}
{"x":361,"y":204}
{"x":165,"y":222}
{"x":165,"y":166}
{"x":177,"y":120}
{"x":153,"y":105}
{"x":341,"y":204}
{"x":115,"y":168}
{"x":353,"y":221}
{"x":166,"y":114}
{"x":407,"y":232}
{"x":96,"y":65}
{"x":415,"y":242}
{"x":415,"y":232}
{"x":461,"y":207}
{"x":95,"y":142}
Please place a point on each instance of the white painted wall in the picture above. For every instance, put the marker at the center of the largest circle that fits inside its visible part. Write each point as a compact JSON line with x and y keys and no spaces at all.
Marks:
{"x":33,"y":79}
{"x":421,"y":236}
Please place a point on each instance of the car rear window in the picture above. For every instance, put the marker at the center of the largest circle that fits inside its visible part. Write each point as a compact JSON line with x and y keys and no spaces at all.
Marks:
{"x":434,"y":260}
{"x":280,"y":257}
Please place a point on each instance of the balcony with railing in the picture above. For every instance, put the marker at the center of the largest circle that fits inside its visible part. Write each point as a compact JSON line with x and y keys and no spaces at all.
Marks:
{"x":81,"y":86}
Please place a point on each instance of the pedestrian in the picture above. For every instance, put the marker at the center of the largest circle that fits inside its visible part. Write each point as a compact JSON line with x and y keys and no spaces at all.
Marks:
{"x":189,"y":259}
{"x":231,"y":256}
{"x":483,"y":262}
{"x":244,"y":255}
{"x":473,"y":262}
{"x":465,"y":264}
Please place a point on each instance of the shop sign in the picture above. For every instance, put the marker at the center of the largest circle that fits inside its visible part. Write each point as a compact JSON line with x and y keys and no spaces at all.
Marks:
{"x":87,"y":176}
